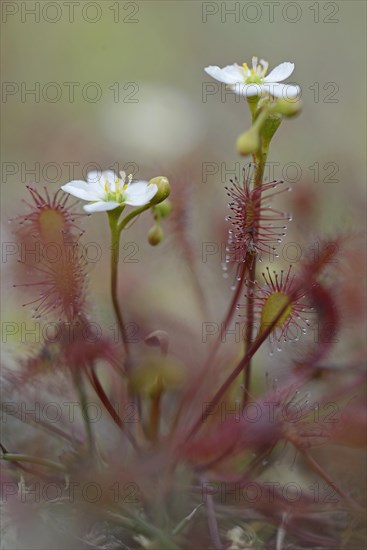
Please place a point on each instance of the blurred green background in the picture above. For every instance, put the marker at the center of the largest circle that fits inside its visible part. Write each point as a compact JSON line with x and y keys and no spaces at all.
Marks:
{"x":145,"y":60}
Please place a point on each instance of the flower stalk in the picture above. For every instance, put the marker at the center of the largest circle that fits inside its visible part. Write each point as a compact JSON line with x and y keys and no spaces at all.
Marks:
{"x":113,"y":216}
{"x":260,"y":162}
{"x":116,"y":228}
{"x":242,"y":366}
{"x":155,"y":411}
{"x":79,"y":384}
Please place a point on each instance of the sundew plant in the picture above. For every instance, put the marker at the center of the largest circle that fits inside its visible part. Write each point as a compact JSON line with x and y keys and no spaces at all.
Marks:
{"x":159,"y":443}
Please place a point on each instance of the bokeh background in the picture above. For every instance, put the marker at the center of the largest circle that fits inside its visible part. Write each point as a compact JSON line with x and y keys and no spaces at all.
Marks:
{"x":121,"y":84}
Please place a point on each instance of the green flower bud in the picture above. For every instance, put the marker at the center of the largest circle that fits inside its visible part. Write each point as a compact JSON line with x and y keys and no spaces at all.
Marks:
{"x":155,"y":376}
{"x":270,"y":126}
{"x":164,"y":189}
{"x":155,"y":235}
{"x":163,"y":209}
{"x":288,"y":108}
{"x":248,"y":143}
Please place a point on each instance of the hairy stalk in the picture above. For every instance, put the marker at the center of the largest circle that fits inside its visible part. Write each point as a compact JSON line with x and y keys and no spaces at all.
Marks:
{"x":260,"y":161}
{"x":248,"y":265}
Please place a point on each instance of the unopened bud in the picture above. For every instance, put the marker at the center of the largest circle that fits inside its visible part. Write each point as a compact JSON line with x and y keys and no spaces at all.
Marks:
{"x":157,"y":375}
{"x":155,"y":235}
{"x":248,"y":143}
{"x":163,"y":209}
{"x":164,"y":189}
{"x":288,"y":108}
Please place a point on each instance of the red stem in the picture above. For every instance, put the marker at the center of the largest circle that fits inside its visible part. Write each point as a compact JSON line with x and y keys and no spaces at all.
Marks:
{"x":192,"y":391}
{"x":249,"y":332}
{"x":243,"y":364}
{"x":317,"y":468}
{"x":108,"y":405}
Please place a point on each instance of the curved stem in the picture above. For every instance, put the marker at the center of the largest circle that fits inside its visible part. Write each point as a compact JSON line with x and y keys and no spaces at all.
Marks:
{"x":243,"y":364}
{"x":132,"y":215}
{"x":194,"y":388}
{"x":109,"y":407}
{"x":116,"y":228}
{"x":103,"y":397}
{"x":113,"y":216}
{"x":229,"y":315}
{"x":325,"y":476}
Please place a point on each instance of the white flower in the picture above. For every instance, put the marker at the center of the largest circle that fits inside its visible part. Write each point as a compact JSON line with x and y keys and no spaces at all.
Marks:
{"x":253,"y":82}
{"x":106,"y":191}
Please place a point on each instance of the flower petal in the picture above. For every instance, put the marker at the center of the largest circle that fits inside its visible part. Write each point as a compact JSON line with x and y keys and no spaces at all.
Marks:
{"x":111,"y":178}
{"x":141,"y":195}
{"x":101,"y":206}
{"x":247,"y":90}
{"x":81,"y":190}
{"x":285,"y":91}
{"x":231,"y":74}
{"x":280,"y":73}
{"x":94,"y":176}
{"x":138,"y":186}
{"x":96,"y":183}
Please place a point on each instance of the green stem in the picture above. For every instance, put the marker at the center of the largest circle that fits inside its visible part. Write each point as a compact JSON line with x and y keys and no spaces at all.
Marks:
{"x":116,"y":228}
{"x":113,"y":216}
{"x":132,"y":215}
{"x":260,"y":161}
{"x":84,"y":402}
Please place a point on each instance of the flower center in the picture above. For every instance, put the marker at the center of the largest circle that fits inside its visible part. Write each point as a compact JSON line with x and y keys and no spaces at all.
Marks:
{"x":273,"y":305}
{"x":117,"y":195}
{"x":257,"y":73}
